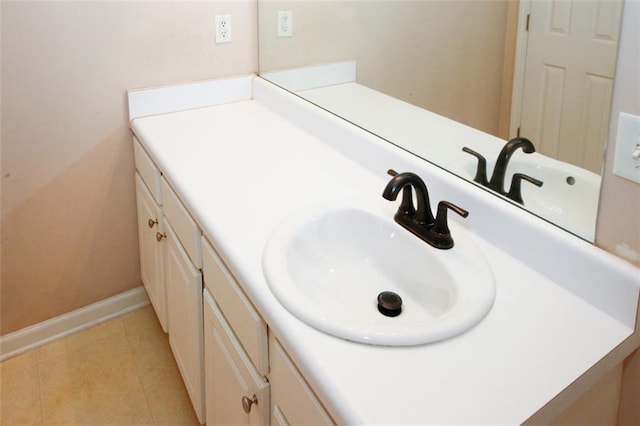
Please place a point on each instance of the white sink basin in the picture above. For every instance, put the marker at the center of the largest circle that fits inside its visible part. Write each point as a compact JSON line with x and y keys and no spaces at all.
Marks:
{"x":568,"y":196}
{"x":327,"y":264}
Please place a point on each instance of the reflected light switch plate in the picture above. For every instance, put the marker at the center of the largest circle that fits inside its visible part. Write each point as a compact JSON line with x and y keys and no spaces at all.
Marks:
{"x":626,"y":163}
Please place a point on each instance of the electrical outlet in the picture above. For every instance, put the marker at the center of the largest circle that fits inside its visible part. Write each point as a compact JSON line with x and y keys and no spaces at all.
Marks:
{"x":626,"y":162}
{"x":223,"y":29}
{"x":285,"y":23}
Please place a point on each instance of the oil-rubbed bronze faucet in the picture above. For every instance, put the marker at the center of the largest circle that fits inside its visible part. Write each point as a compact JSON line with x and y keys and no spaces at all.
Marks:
{"x":497,"y":178}
{"x":420,"y":221}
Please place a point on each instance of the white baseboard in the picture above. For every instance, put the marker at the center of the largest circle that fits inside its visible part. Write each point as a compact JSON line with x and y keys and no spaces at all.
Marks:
{"x":64,"y":325}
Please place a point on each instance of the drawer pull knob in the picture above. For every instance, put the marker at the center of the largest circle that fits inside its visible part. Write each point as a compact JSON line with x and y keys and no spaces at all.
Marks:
{"x":160,"y":236}
{"x":152,"y":222}
{"x":248,"y":402}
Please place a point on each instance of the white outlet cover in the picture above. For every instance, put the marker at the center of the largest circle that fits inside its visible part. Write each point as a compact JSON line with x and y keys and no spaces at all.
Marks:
{"x":223,"y":29}
{"x":627,"y":142}
{"x":285,"y":23}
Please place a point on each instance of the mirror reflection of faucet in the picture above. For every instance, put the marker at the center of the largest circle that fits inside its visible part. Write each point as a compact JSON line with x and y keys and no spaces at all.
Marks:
{"x":434,"y":231}
{"x":496,"y":182}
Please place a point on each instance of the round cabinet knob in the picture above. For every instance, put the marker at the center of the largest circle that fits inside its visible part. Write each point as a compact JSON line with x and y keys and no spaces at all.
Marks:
{"x":152,"y":222}
{"x":248,"y":402}
{"x":160,"y":236}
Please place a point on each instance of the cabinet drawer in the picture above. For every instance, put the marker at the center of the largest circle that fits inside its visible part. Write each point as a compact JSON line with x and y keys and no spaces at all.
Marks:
{"x":148,"y":171}
{"x":184,"y":226}
{"x":293,"y":401}
{"x":247,"y":324}
{"x":231,"y":379}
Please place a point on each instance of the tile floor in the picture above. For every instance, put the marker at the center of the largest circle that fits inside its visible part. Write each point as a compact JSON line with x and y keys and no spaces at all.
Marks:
{"x":120,"y":372}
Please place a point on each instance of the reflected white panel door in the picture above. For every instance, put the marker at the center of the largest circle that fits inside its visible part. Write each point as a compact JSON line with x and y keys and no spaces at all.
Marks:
{"x":571,"y":57}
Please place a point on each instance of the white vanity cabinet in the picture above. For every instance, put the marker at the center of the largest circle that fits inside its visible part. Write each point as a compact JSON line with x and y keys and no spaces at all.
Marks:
{"x":183,"y":278}
{"x":201,"y":135}
{"x":150,"y":231}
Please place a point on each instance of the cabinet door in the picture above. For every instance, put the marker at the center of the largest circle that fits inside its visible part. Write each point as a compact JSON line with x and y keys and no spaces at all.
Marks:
{"x":292,"y":400}
{"x":236,"y":393}
{"x":184,"y":302}
{"x":242,"y":317}
{"x":150,"y":225}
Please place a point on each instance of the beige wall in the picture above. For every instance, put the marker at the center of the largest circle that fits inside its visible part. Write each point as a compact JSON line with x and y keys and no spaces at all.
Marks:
{"x":629,"y":408}
{"x":68,"y":205}
{"x":618,"y":227}
{"x":453,"y":49}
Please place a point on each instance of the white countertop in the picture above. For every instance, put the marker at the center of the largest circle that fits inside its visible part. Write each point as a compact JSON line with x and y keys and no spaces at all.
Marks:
{"x":242,"y":167}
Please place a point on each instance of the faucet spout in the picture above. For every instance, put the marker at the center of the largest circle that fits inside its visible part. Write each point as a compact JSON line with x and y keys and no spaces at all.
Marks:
{"x":497,"y":178}
{"x":423,"y":214}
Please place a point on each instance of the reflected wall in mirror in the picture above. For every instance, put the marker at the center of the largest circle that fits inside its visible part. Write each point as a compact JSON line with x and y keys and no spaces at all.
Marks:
{"x":444,"y":56}
{"x":398,"y":68}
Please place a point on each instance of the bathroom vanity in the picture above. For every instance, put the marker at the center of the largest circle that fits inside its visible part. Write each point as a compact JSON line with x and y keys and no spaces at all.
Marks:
{"x":224,"y":164}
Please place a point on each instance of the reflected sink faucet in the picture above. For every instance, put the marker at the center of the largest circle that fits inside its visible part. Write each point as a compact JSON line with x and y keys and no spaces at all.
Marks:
{"x":420,"y":221}
{"x":496,"y":182}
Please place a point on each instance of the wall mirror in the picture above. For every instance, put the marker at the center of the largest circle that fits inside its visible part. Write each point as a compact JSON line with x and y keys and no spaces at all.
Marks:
{"x":402,"y":69}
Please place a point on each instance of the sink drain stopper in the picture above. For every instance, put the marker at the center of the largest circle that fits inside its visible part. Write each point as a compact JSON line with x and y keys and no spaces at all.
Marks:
{"x":389,"y":304}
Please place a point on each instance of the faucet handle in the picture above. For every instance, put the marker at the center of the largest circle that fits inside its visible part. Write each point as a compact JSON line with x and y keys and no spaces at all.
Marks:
{"x":440,"y":231}
{"x":515,"y":191}
{"x":481,"y":171}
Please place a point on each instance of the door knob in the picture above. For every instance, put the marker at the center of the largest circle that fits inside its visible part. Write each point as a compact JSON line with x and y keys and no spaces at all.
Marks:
{"x":160,"y":236}
{"x":152,"y":222}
